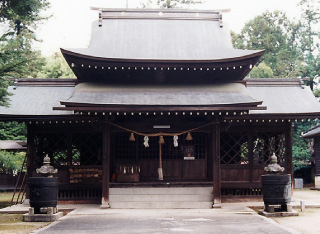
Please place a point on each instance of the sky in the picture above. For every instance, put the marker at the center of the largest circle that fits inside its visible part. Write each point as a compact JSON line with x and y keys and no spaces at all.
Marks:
{"x":70,"y":23}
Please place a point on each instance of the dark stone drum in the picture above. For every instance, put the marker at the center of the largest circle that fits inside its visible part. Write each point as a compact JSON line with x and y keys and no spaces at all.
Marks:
{"x":43,"y":192}
{"x":276,"y":189}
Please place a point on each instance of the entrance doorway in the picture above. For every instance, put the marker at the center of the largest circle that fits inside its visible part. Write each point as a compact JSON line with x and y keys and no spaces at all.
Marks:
{"x":185,"y":162}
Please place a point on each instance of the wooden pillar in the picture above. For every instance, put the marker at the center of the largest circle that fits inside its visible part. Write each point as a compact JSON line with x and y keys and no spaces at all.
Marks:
{"x":250,"y":151}
{"x":215,"y":141}
{"x":105,"y":167}
{"x":30,"y":154}
{"x":316,"y":147}
{"x":289,"y":152}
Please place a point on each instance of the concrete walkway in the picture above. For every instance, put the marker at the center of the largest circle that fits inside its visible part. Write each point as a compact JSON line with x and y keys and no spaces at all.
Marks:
{"x":163,"y":221}
{"x":231,"y":218}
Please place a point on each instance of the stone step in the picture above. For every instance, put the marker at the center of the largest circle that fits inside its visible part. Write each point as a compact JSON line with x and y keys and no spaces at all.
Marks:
{"x":160,"y":205}
{"x":164,"y":191}
{"x":161,"y":198}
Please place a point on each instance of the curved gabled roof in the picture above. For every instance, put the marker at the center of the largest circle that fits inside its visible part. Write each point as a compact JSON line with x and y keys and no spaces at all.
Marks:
{"x":167,"y":39}
{"x":162,"y":40}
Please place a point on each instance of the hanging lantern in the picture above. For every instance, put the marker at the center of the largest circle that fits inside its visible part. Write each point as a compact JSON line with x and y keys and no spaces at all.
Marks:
{"x":189,"y":137}
{"x":161,"y":140}
{"x":175,"y":141}
{"x":131,"y":138}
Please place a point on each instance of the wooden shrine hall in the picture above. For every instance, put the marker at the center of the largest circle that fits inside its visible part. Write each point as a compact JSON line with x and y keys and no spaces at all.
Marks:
{"x":160,"y":103}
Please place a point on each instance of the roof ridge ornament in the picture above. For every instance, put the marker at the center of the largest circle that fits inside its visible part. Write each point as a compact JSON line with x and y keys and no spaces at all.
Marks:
{"x":100,"y":17}
{"x":220,"y":19}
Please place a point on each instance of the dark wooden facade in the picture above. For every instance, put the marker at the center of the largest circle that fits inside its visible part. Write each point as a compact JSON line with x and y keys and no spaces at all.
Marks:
{"x":314,"y":134}
{"x":230,"y":155}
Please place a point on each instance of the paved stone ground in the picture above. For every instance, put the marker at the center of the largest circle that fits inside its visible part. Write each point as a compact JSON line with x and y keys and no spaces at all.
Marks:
{"x":165,"y":221}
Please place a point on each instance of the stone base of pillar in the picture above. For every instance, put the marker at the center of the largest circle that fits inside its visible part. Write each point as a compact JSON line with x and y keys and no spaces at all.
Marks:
{"x":104,"y":204}
{"x":215,"y":206}
{"x":317,"y":182}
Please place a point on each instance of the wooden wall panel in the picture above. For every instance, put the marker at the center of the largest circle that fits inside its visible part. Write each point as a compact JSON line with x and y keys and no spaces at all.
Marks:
{"x":195,"y":169}
{"x":235,"y":174}
{"x":172,"y":168}
{"x":257,"y":173}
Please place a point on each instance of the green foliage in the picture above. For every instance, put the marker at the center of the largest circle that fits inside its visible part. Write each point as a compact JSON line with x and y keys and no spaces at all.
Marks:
{"x":300,"y":150}
{"x":309,"y":34}
{"x":56,"y":67}
{"x":274,"y":33}
{"x":13,"y":131}
{"x":261,"y":71}
{"x":18,"y":20}
{"x":11,"y":162}
{"x":291,"y":46}
{"x":169,"y":3}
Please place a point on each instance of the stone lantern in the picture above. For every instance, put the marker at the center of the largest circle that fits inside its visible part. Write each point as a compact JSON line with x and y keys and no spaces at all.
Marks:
{"x":276,"y":187}
{"x":43,"y":195}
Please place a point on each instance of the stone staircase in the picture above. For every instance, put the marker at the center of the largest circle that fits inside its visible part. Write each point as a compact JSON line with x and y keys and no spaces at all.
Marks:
{"x":161,"y":198}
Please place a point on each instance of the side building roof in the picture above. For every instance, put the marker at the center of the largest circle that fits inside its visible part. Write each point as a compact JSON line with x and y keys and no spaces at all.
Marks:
{"x":286,"y":97}
{"x":36,"y":97}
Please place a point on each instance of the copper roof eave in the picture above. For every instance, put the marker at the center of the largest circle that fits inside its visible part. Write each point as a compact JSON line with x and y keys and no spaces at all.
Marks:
{"x":255,"y":55}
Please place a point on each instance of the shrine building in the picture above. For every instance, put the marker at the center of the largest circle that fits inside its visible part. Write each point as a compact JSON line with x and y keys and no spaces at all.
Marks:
{"x":160,"y":107}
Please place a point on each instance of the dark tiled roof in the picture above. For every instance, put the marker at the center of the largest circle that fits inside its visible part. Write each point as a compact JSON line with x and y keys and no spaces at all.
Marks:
{"x":161,"y":36}
{"x":37,"y":97}
{"x":282,"y":96}
{"x":13,"y":145}
{"x":312,"y":132}
{"x":209,"y":95}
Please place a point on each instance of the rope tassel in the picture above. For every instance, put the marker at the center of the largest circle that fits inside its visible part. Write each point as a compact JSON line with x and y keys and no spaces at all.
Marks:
{"x":189,"y":137}
{"x":161,"y":140}
{"x":131,"y":138}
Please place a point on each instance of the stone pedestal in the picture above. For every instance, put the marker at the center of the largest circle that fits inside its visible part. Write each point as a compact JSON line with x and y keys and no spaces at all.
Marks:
{"x":50,"y":214}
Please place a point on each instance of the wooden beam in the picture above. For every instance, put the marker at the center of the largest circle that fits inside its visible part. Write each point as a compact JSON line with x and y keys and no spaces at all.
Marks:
{"x":105,"y":167}
{"x":215,"y":138}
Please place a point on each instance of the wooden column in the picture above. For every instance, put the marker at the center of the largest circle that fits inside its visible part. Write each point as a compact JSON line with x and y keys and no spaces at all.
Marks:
{"x":289,"y":152}
{"x":215,"y":141}
{"x":105,"y":167}
{"x":30,"y":154}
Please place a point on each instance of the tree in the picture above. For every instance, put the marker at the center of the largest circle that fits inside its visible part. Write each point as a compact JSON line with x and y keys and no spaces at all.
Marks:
{"x":300,"y":150}
{"x":169,"y":3}
{"x":13,"y":131}
{"x":10,"y":162}
{"x":276,"y":34}
{"x":56,"y":67}
{"x":309,"y":42}
{"x":18,"y":20}
{"x":261,"y":71}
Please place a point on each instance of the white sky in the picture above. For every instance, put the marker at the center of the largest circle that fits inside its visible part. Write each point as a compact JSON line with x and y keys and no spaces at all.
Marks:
{"x":70,"y":25}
